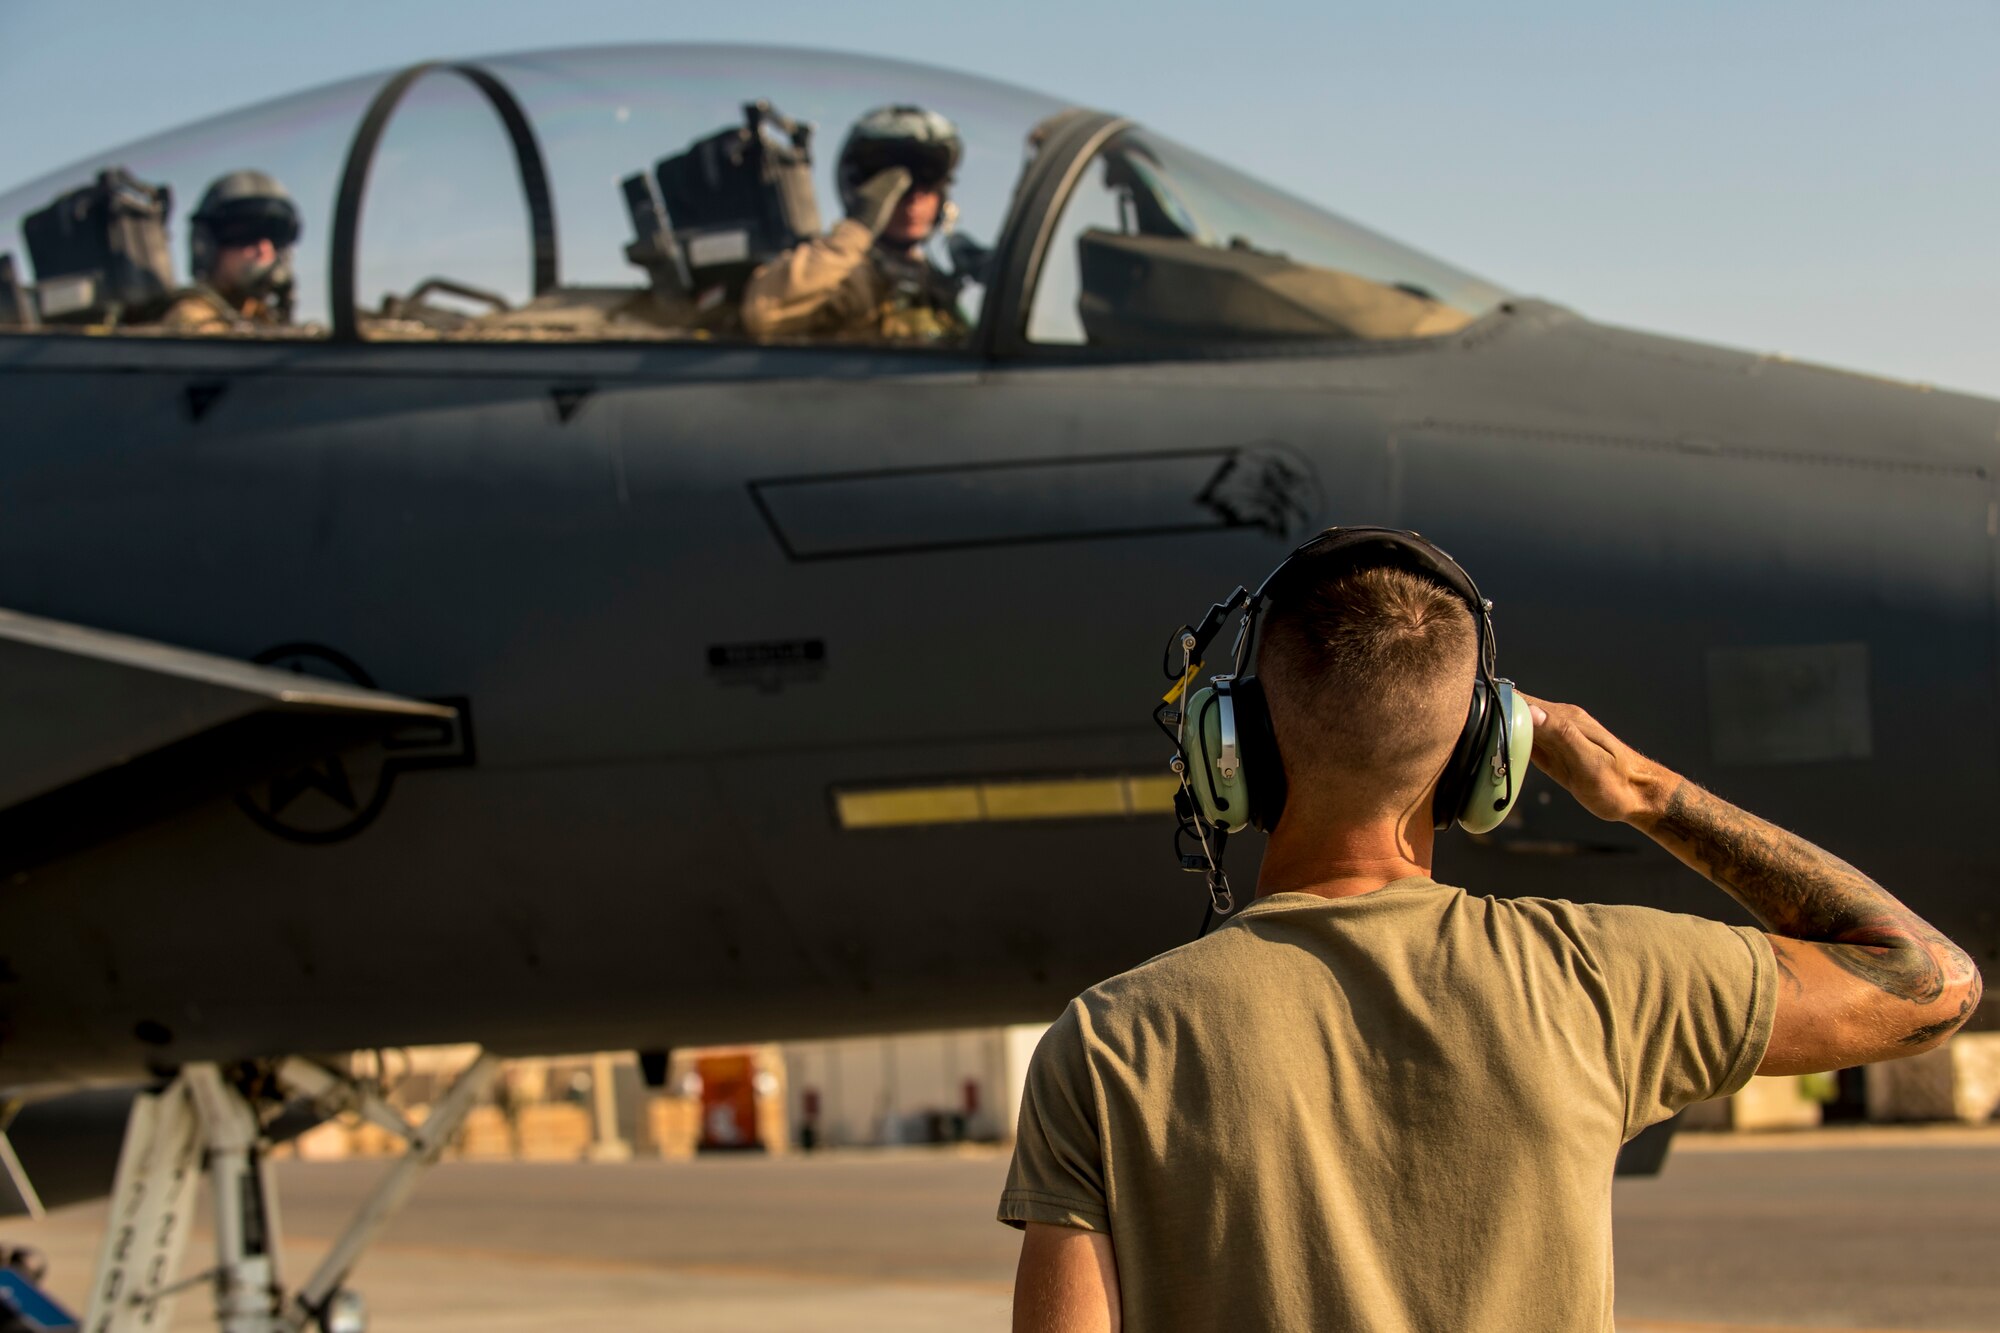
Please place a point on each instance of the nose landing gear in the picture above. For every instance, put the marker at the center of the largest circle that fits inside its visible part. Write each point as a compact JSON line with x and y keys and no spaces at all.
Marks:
{"x":206,"y":1123}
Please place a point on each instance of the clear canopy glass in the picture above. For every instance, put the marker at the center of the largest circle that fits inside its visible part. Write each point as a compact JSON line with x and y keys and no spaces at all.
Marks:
{"x":444,"y":198}
{"x":301,"y":139}
{"x":1160,"y":246}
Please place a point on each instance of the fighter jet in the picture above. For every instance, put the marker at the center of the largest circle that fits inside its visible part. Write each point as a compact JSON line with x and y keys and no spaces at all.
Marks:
{"x":511,"y":649}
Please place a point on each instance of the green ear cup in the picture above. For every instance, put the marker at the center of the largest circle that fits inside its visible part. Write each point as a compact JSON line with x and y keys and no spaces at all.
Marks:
{"x":1222,"y":791}
{"x":1487,"y":801}
{"x":1215,"y":763}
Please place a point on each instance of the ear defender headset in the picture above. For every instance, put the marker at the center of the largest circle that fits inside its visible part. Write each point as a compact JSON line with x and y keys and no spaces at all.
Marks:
{"x":1226,"y":753}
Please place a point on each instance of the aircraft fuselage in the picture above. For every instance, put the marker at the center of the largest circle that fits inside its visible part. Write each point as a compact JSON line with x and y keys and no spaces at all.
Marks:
{"x":689,"y":595}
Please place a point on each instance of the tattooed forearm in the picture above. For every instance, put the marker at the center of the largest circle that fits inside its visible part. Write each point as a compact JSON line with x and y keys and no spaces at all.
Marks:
{"x":1798,"y":890}
{"x":1793,"y":887}
{"x":1789,"y":974}
{"x":1930,"y":1032}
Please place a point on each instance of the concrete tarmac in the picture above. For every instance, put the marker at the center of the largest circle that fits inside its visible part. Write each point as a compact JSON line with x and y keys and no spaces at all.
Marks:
{"x":1850,"y":1230}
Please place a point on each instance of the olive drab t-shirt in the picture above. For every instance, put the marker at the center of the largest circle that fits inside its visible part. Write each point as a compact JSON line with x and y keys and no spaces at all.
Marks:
{"x":1398,"y":1111}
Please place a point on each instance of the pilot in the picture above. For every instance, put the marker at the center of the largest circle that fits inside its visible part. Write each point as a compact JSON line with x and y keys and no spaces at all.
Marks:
{"x":240,"y":254}
{"x":869,"y":276}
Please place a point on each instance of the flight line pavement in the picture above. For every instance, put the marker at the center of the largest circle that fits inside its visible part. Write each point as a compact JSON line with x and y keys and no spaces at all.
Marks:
{"x":1855,"y":1230}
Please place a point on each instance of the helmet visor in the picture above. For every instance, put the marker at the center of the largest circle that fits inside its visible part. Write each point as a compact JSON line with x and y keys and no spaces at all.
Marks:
{"x":929,"y":164}
{"x":248,"y":221}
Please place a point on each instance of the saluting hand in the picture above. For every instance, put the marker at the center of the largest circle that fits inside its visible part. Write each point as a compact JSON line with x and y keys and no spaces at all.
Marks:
{"x":1608,"y":777}
{"x":876,"y":199}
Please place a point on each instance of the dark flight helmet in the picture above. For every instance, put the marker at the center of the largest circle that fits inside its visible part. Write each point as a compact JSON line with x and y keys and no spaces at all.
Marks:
{"x":923,"y":142}
{"x":240,"y":209}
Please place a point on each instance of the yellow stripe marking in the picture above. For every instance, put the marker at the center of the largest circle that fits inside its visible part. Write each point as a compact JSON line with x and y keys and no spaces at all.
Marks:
{"x":1003,"y":800}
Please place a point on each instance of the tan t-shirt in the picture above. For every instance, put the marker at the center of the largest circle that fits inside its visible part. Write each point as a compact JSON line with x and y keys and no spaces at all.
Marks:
{"x":1397,"y":1111}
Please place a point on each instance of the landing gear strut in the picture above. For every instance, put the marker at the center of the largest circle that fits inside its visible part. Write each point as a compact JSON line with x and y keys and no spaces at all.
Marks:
{"x":204,"y":1123}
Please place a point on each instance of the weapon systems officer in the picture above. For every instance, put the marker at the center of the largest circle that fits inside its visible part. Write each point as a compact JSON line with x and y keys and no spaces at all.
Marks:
{"x":240,"y":245}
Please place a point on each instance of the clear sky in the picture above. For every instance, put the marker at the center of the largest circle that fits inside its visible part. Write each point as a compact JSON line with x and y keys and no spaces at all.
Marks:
{"x":1821,"y":179}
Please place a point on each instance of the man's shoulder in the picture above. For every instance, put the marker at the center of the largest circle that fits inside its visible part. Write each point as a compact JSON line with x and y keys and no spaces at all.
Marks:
{"x":1252,"y":950}
{"x":1602,"y":918}
{"x":1575,"y":939}
{"x":198,"y":309}
{"x":1200,"y":957}
{"x":1228,"y":965}
{"x":1243,"y":951}
{"x":1582,"y":923}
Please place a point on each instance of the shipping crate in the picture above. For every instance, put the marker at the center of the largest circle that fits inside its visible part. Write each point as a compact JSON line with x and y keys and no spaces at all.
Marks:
{"x":553,"y":1132}
{"x":1960,"y":1080}
{"x":1786,"y":1101}
{"x":486,"y":1136}
{"x":674,"y":1124}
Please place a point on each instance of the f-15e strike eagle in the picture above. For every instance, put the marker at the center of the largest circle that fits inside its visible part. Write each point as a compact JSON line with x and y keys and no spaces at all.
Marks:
{"x":530,"y":658}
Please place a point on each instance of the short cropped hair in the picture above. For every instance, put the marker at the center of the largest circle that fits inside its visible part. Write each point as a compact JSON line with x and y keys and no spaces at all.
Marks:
{"x":1369,"y":677}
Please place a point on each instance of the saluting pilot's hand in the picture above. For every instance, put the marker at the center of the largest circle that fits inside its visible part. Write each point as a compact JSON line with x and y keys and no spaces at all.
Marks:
{"x":1608,"y":777}
{"x":875,"y":201}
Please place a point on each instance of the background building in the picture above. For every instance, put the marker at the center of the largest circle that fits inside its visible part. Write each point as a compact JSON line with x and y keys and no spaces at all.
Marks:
{"x":961,"y":1086}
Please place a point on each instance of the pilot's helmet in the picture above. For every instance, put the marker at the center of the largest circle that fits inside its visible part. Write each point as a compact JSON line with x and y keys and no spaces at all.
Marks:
{"x":923,"y":142}
{"x":243,"y":208}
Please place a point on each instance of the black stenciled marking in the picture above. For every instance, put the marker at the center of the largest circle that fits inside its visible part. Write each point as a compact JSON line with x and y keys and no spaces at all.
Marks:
{"x":778,"y":652}
{"x":769,"y":665}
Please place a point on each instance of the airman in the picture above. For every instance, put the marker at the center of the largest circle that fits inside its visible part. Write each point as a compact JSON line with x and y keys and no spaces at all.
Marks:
{"x":240,"y":256}
{"x":869,"y":277}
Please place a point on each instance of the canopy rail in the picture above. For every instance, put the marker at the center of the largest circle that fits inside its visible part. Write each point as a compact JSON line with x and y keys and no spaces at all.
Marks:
{"x":361,"y":156}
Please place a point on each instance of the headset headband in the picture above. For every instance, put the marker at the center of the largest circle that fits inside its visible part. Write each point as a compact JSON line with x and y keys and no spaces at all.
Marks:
{"x":1366,"y":548}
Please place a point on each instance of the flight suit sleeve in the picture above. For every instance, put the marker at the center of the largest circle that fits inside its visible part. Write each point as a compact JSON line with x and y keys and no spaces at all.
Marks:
{"x":791,"y":294}
{"x":1057,"y":1175}
{"x":194,"y":313}
{"x":1688,"y":1005}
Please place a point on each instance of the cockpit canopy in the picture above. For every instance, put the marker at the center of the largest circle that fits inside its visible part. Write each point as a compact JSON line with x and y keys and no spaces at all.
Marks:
{"x":631,"y":193}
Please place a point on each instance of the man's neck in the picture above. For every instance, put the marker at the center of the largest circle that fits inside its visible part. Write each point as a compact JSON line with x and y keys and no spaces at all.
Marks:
{"x":1336,"y":861}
